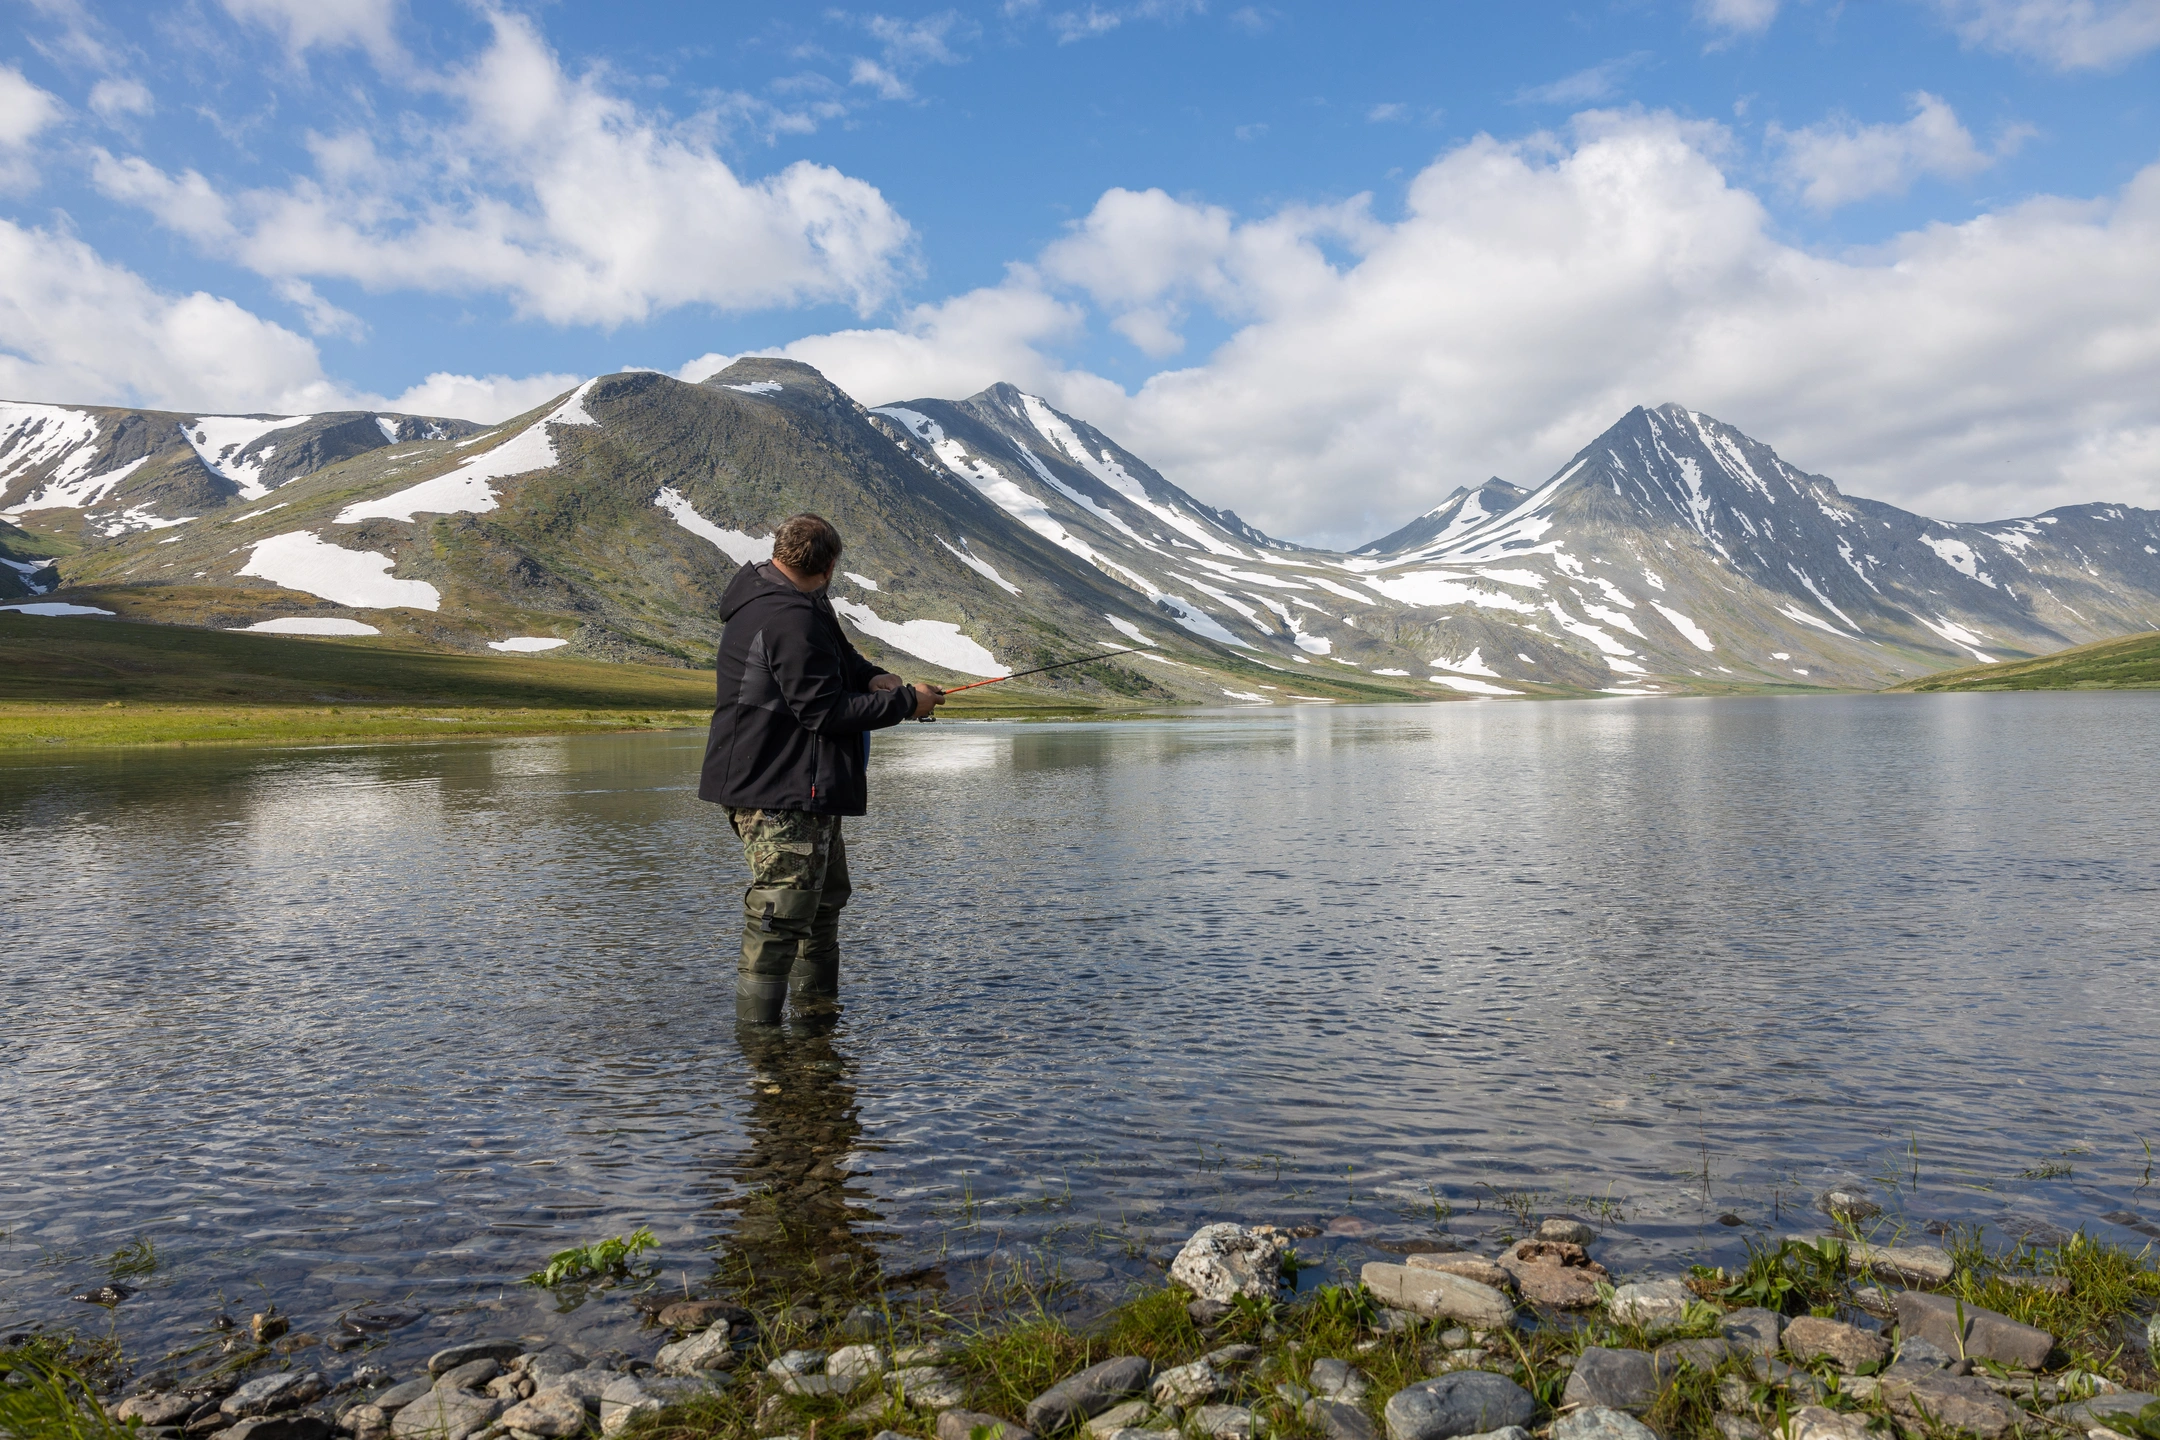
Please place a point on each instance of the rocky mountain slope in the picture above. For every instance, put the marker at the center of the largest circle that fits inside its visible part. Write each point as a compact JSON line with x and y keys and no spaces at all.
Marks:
{"x":995,"y":533}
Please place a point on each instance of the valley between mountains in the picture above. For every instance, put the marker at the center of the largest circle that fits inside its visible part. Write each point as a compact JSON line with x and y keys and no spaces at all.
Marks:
{"x":1672,"y":554}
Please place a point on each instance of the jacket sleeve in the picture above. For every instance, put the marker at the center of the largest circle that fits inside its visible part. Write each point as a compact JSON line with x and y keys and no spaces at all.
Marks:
{"x":860,"y":672}
{"x":814,"y":678}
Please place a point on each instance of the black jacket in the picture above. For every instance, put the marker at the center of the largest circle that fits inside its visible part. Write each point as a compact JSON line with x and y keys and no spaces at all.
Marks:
{"x":790,"y":731}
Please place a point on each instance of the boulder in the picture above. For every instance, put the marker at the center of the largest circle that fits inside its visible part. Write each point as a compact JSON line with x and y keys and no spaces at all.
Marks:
{"x":958,"y":1424}
{"x":1615,"y":1379}
{"x":1936,"y":1398}
{"x":445,"y":1415}
{"x":550,"y":1413}
{"x":1338,"y":1420}
{"x":1977,"y":1334}
{"x":502,"y":1352}
{"x":1470,"y":1267}
{"x":1596,"y":1422}
{"x":1565,"y":1230}
{"x":1464,"y":1402}
{"x":1089,"y":1393}
{"x":1437,"y":1294}
{"x":1223,"y":1262}
{"x":1851,"y":1349}
{"x":1651,"y":1303}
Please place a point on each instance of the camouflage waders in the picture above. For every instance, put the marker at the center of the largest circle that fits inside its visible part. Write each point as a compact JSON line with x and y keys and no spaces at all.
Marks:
{"x":791,"y":912}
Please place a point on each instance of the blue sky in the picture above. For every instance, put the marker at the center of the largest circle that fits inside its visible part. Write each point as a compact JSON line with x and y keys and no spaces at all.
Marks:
{"x":1904,"y":241}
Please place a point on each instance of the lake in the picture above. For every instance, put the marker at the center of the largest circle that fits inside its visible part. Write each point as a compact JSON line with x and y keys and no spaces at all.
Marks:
{"x":382,"y":1027}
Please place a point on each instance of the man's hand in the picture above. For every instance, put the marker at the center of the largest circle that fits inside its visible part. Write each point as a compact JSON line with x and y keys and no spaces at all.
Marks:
{"x":884,"y":684}
{"x":927,"y":699}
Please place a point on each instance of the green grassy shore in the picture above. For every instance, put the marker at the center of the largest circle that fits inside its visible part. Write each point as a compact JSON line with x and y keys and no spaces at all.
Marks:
{"x":2129,"y":663}
{"x":76,"y":682}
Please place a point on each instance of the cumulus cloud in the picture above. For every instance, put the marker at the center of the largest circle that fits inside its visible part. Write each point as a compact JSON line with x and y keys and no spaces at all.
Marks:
{"x":2062,"y":34}
{"x":548,"y":189}
{"x":329,"y":24}
{"x":1532,"y":293}
{"x":83,"y":330}
{"x":25,"y":112}
{"x":1839,"y":161}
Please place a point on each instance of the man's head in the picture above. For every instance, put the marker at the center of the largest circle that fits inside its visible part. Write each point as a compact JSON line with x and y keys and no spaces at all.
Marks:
{"x":806,"y":547}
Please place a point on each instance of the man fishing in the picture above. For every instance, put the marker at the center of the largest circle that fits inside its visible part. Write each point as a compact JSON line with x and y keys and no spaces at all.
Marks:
{"x":790,"y":743}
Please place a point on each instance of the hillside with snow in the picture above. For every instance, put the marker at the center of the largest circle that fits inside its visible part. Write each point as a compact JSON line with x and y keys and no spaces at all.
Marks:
{"x":989,"y":534}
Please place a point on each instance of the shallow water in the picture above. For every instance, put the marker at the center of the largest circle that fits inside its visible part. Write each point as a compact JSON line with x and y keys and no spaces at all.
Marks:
{"x":383,"y":1027}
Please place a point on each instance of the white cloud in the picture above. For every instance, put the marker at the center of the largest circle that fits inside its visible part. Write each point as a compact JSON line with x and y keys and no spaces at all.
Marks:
{"x":331,"y":24}
{"x":25,"y":111}
{"x":547,"y":189}
{"x":113,"y":98}
{"x":1737,"y":17}
{"x":1599,"y":82}
{"x":2064,"y":34}
{"x":323,"y":318}
{"x":1838,"y":162}
{"x":1533,"y":292}
{"x":82,"y":330}
{"x":876,"y":77}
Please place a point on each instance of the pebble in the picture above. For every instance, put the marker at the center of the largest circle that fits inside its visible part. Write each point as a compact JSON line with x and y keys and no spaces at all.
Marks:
{"x":707,"y":1350}
{"x":1560,"y":1227}
{"x":1462,"y":1403}
{"x":1118,"y":1417}
{"x":1851,"y":1349}
{"x":1705,"y":1355}
{"x":1338,"y":1420}
{"x":859,"y":1362}
{"x":279,"y":1427}
{"x":958,"y":1424}
{"x":500,"y":1351}
{"x":1753,"y":1330}
{"x":1986,"y":1335}
{"x":397,"y":1397}
{"x":1224,"y":1262}
{"x":550,"y":1413}
{"x":471,"y":1375}
{"x":796,"y":1362}
{"x":1339,"y":1380}
{"x":1087,"y":1394}
{"x":1847,"y":1202}
{"x":1596,"y":1422}
{"x":366,"y":1422}
{"x":444,"y":1415}
{"x":1439,"y":1295}
{"x":266,"y":1393}
{"x":155,"y":1409}
{"x":1223,"y":1422}
{"x":1818,"y":1422}
{"x":1182,"y":1386}
{"x":1651,"y":1303}
{"x":700,"y":1314}
{"x":926,"y":1387}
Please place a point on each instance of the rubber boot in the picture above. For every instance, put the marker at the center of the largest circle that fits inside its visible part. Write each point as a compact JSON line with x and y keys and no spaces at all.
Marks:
{"x":814,"y":979}
{"x":776,"y":923}
{"x":759,"y":998}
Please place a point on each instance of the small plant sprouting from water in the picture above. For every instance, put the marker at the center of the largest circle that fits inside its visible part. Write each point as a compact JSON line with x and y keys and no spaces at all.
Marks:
{"x":2057,"y":1169}
{"x":600,"y":1260}
{"x":138,"y":1257}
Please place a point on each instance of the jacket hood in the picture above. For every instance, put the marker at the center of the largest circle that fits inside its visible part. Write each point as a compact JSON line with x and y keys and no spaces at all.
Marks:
{"x":758,"y":581}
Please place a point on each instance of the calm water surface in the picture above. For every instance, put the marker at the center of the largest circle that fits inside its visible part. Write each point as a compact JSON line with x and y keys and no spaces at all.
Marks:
{"x":352,"y":1028}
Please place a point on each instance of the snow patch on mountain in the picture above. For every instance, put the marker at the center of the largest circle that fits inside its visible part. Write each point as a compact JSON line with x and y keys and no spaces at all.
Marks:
{"x":936,"y":641}
{"x":967,"y":556}
{"x":742,"y":549}
{"x":307,"y":625}
{"x":1442,"y":587}
{"x":1471,"y":664}
{"x":1696,"y":635}
{"x":1472,"y":687}
{"x":302,"y":560}
{"x":469,"y":489}
{"x":1957,"y":555}
{"x":219,"y":439}
{"x":1959,"y":636}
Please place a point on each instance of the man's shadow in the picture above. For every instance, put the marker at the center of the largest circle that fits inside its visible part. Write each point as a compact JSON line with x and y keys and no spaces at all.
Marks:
{"x":797,"y":1228}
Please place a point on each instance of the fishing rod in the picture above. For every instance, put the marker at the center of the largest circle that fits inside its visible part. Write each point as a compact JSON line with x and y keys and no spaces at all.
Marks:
{"x":1039,"y":669}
